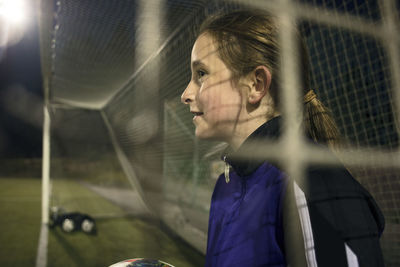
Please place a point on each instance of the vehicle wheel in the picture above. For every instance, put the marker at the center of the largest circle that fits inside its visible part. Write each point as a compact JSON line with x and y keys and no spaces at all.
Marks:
{"x":87,"y":225}
{"x":68,"y":225}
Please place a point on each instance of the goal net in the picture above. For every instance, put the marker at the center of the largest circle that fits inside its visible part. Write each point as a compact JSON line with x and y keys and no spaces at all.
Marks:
{"x":113,"y":75}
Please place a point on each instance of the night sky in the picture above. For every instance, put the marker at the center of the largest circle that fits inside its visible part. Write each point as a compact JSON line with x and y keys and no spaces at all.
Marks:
{"x":21,"y":95}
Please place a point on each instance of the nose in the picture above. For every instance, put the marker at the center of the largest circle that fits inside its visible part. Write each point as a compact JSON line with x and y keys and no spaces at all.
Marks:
{"x":189,"y":94}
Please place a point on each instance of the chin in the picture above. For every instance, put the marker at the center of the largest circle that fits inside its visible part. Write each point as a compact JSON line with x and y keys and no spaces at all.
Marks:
{"x":207,"y":135}
{"x":201,"y":134}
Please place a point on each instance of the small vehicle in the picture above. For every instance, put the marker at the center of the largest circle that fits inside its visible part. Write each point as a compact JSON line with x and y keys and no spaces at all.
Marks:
{"x":72,"y":221}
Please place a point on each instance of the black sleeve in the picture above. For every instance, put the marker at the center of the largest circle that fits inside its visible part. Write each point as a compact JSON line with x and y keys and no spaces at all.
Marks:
{"x":344,"y":223}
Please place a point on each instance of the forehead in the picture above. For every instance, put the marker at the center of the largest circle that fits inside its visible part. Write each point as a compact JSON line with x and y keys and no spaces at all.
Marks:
{"x":204,"y":49}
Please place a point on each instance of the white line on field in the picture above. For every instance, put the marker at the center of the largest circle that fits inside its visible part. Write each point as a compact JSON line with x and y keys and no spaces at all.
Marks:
{"x":41,"y":257}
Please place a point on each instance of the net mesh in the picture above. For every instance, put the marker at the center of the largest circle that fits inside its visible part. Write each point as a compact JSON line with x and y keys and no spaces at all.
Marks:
{"x":133,"y":130}
{"x":351,"y":72}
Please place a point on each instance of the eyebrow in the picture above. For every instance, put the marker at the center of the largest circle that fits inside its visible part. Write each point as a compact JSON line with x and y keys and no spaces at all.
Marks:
{"x":197,"y":63}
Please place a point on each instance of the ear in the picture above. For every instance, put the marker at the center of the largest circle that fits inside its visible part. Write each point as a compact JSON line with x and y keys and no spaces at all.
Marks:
{"x":261,"y":81}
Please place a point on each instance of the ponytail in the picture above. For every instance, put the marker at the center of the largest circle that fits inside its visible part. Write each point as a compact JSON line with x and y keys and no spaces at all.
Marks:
{"x":319,"y":123}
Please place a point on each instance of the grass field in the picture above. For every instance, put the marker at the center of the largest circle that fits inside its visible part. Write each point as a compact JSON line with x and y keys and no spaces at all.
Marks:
{"x":117,"y":238}
{"x":19,"y":221}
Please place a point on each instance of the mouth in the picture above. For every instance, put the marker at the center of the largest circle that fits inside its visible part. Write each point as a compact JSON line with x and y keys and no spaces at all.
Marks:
{"x":197,"y":113}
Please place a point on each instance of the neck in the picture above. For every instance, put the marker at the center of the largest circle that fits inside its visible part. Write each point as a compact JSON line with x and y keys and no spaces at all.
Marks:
{"x":244,"y":166}
{"x":246,"y":128}
{"x":252,"y":117}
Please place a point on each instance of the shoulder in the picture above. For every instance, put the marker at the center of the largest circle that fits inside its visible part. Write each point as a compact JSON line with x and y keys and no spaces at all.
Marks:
{"x":334,"y":190}
{"x":342,"y":214}
{"x":331,"y":182}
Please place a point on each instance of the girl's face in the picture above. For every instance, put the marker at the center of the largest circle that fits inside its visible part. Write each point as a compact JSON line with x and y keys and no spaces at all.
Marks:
{"x":214,"y":100}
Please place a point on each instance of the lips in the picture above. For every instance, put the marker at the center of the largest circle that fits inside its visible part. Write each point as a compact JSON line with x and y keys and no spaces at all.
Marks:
{"x":197,"y":113}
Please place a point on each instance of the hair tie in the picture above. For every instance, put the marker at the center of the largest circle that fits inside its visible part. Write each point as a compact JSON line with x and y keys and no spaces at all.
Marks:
{"x":309,"y":96}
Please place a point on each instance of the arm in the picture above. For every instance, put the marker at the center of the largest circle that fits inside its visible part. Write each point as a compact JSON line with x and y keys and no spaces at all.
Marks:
{"x":337,"y":222}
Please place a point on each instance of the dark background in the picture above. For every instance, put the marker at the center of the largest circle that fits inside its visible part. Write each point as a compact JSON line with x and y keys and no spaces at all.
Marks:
{"x":21,"y":95}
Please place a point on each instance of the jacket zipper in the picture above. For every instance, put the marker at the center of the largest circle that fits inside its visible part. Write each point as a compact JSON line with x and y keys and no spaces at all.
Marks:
{"x":226,"y":171}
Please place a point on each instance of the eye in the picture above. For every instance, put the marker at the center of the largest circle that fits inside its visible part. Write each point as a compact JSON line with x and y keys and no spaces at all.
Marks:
{"x":200,"y":73}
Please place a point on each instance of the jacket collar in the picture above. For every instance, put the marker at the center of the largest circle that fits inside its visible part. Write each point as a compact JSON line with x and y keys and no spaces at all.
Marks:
{"x":244,"y":167}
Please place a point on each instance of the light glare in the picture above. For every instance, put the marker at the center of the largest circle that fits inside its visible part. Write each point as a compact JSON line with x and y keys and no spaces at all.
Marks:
{"x":12,"y":11}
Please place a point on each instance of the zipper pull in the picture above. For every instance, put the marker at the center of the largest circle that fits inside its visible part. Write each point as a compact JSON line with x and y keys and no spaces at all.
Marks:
{"x":226,"y":172}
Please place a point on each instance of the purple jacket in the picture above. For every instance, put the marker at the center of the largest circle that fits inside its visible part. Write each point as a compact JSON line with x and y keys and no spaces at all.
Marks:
{"x":262,"y":218}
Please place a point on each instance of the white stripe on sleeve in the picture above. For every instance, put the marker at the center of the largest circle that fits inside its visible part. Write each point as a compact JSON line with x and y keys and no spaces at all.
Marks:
{"x":305,"y":222}
{"x":352,"y":260}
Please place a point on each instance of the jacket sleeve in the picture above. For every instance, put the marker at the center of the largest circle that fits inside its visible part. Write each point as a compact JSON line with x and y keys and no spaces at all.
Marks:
{"x":331,"y":220}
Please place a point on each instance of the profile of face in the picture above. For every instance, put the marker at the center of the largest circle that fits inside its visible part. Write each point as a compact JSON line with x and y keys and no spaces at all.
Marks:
{"x":215,"y":100}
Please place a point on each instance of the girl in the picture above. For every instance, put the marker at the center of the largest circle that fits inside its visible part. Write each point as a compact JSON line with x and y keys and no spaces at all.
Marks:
{"x":258,"y":216}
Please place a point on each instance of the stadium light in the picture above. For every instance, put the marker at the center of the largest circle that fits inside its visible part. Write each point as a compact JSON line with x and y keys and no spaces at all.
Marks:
{"x":13,"y":11}
{"x":14,"y":17}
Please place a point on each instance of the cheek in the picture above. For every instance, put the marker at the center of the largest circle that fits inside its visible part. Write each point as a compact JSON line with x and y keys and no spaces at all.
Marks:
{"x":221,"y":103}
{"x":211,"y":100}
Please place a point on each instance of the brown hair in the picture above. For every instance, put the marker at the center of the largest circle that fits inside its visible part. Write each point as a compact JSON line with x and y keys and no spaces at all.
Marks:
{"x":249,"y":38}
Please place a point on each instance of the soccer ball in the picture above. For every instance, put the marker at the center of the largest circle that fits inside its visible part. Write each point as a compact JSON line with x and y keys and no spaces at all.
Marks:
{"x":141,"y":262}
